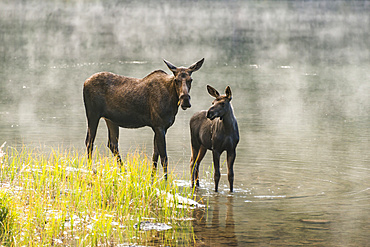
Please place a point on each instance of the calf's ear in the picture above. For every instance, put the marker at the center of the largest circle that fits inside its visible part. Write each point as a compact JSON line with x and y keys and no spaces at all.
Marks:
{"x":228,"y":92}
{"x":196,"y":65}
{"x":213,"y":92}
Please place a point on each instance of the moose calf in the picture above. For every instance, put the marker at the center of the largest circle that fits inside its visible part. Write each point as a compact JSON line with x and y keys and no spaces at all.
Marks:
{"x":216,"y":130}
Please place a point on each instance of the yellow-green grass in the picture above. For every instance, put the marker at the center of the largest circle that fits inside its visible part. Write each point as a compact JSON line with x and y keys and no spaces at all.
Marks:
{"x":62,"y":199}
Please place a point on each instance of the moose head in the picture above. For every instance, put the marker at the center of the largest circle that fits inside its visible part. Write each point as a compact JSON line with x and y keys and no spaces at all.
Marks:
{"x":182,"y":81}
{"x":220,"y":106}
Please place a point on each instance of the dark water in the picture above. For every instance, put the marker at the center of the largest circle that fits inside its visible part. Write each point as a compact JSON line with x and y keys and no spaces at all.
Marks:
{"x":300,"y":77}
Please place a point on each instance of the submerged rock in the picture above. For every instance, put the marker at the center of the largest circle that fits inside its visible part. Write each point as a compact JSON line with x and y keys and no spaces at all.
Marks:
{"x":180,"y":201}
{"x":147,"y":226}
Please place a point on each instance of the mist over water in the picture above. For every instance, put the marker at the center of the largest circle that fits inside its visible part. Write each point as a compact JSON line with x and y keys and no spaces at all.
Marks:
{"x":300,"y":78}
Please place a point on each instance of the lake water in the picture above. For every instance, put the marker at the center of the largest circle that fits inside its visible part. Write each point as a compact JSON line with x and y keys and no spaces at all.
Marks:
{"x":300,"y":77}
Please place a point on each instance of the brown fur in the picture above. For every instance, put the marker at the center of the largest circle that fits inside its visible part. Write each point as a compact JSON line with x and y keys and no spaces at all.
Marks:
{"x":216,"y":130}
{"x":133,"y":103}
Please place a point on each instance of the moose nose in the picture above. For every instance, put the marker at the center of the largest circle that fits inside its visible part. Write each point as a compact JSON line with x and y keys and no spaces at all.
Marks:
{"x":185,"y":101}
{"x":211,"y":115}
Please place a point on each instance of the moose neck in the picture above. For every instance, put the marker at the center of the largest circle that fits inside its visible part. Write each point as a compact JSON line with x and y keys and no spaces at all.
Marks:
{"x":228,"y":120}
{"x":175,"y":97}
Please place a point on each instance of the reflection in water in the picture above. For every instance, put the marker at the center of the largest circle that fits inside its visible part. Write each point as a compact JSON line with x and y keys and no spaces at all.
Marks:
{"x":220,"y":228}
{"x":242,"y":220}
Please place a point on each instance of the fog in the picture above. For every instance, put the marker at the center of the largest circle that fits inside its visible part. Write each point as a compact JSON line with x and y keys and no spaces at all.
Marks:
{"x":254,"y":33}
{"x":290,"y":64}
{"x":298,"y":70}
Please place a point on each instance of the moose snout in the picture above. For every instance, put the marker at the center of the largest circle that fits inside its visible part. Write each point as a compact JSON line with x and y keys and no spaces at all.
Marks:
{"x":211,"y":114}
{"x":185,"y":101}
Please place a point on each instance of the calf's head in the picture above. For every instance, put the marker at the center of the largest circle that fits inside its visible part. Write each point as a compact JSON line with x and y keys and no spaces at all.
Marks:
{"x":182,"y":81}
{"x":221,"y":105}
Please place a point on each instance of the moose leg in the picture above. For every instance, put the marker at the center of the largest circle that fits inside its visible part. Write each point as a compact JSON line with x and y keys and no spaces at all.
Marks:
{"x":160,"y":143}
{"x":92,"y":126}
{"x":155,"y":157}
{"x":230,"y":168}
{"x":216,"y":165}
{"x":193,"y":160}
{"x":113,"y":134}
{"x":201,"y":152}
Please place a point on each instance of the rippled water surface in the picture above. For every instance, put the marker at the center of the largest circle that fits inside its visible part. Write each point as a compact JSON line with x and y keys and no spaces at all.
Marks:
{"x":299,"y":73}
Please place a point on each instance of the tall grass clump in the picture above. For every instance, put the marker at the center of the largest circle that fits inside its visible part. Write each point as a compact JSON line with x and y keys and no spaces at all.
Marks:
{"x":7,"y":219}
{"x":63,"y":199}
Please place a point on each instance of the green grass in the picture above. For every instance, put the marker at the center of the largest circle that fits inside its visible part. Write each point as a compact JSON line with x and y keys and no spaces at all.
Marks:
{"x":61,"y":199}
{"x":7,"y":219}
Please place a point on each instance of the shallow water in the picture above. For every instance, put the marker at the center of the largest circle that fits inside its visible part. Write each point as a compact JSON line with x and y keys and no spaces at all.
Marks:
{"x":299,"y":73}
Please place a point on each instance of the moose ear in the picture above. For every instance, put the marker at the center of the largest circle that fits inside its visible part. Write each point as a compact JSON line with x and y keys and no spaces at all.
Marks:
{"x":213,"y":92}
{"x":196,"y":65}
{"x":228,"y":92}
{"x":172,"y":67}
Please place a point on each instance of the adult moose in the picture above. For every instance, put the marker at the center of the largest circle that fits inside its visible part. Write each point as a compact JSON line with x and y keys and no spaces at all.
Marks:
{"x":216,"y":130}
{"x":133,"y":103}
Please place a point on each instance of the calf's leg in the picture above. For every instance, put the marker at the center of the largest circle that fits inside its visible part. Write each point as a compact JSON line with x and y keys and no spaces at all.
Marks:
{"x":193,"y":159}
{"x":216,"y":165}
{"x":230,"y":168}
{"x":196,"y":163}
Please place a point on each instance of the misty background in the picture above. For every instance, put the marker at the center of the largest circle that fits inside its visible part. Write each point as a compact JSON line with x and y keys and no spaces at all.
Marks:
{"x":299,"y":72}
{"x":313,"y":52}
